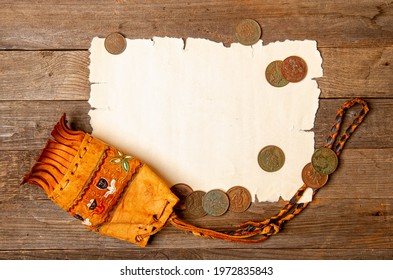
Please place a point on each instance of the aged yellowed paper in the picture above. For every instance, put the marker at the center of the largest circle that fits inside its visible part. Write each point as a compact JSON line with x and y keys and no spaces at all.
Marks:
{"x":200,"y":113}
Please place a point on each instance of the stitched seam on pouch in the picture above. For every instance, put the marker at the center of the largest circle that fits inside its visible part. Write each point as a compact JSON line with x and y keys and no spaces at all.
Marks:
{"x":114,"y":206}
{"x":88,"y":182}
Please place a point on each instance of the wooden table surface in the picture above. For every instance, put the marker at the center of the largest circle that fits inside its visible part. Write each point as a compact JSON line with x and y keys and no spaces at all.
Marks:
{"x":44,"y":72}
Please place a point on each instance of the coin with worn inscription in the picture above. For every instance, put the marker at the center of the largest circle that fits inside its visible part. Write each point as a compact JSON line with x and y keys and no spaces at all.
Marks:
{"x":194,"y":208}
{"x":239,"y":199}
{"x":273,"y":74}
{"x":248,"y":32}
{"x":215,"y":202}
{"x":294,"y":69}
{"x":312,"y":178}
{"x":324,"y":160}
{"x":271,"y":158}
{"x":115,"y":43}
{"x":181,"y":191}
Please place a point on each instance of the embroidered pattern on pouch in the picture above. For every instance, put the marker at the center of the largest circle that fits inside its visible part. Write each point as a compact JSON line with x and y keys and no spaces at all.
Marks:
{"x":105,"y":187}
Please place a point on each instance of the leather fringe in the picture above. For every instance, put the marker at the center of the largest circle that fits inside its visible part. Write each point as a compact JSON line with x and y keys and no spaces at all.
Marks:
{"x":56,"y":157}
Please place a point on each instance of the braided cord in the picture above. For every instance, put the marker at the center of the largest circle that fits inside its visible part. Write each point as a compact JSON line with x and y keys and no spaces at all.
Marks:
{"x":351,"y":128}
{"x":273,"y":225}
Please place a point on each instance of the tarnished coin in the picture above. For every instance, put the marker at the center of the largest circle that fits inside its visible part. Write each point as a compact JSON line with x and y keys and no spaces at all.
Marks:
{"x":294,"y":69}
{"x":271,"y":158}
{"x":273,"y":74}
{"x":194,"y":208}
{"x":181,"y":191}
{"x":312,"y":178}
{"x":324,"y":160}
{"x":239,"y":199}
{"x":248,"y":32}
{"x":215,"y":202}
{"x":115,"y":43}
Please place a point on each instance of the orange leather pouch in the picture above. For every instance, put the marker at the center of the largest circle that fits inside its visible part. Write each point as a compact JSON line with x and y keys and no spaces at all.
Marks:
{"x":107,"y":190}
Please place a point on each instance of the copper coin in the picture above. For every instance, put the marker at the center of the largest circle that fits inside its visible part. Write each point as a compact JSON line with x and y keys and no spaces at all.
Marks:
{"x":271,"y":158}
{"x":312,"y":178}
{"x":181,"y":191}
{"x":294,"y":69}
{"x":215,"y":202}
{"x":115,"y":43}
{"x":274,"y":75}
{"x":194,"y":208}
{"x":324,"y":160}
{"x":248,"y":32}
{"x":239,"y":199}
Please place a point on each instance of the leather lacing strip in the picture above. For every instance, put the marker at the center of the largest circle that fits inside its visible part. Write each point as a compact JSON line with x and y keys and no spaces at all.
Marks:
{"x":253,"y":232}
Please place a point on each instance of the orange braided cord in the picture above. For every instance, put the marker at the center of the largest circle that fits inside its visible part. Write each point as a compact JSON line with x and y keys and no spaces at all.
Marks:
{"x":274,"y":224}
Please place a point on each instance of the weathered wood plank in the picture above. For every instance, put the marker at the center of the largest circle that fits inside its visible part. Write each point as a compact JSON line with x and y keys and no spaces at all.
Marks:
{"x":348,"y":204}
{"x":31,"y":221}
{"x":362,"y":173}
{"x":356,"y":72}
{"x":375,"y":132}
{"x":351,"y":218}
{"x":26,"y":125}
{"x":326,"y":224}
{"x":53,"y":25}
{"x":200,"y":254}
{"x":44,"y":75}
{"x":64,"y":75}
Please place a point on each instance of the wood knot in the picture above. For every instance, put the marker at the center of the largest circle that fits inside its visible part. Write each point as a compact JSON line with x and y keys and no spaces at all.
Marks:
{"x":378,"y":213}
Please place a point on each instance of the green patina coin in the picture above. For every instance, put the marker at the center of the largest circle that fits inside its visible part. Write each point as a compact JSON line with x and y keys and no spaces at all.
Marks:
{"x":274,"y":75}
{"x":324,"y":161}
{"x":271,"y":158}
{"x":215,"y":202}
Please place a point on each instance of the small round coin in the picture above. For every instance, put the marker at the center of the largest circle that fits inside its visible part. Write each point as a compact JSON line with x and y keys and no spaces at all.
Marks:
{"x":181,"y":191}
{"x":271,"y":158}
{"x":248,"y":32}
{"x":312,"y":178}
{"x":239,"y":199}
{"x":115,"y":43}
{"x":215,"y":202}
{"x":324,"y":161}
{"x":294,"y":69}
{"x":274,"y":75}
{"x":194,"y":208}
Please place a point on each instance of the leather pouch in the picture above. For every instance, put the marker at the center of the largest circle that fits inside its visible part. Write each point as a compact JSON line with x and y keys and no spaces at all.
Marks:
{"x":107,"y":190}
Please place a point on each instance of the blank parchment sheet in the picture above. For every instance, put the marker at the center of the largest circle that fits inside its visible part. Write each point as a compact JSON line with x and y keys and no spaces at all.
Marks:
{"x":198,"y":112}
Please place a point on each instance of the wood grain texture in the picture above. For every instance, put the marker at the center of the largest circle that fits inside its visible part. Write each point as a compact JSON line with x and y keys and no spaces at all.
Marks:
{"x":27,"y":124}
{"x":357,"y":72}
{"x":358,"y":167}
{"x":44,"y":75}
{"x":64,"y":75}
{"x":375,"y":132}
{"x":53,"y":25}
{"x":347,"y":205}
{"x":327,"y":223}
{"x":44,"y":72}
{"x":200,"y":254}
